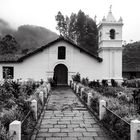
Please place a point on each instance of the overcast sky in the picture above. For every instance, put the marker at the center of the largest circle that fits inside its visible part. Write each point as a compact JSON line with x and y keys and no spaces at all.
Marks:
{"x":42,"y":12}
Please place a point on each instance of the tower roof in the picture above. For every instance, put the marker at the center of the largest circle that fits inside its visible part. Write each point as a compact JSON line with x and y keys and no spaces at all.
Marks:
{"x":110,"y":17}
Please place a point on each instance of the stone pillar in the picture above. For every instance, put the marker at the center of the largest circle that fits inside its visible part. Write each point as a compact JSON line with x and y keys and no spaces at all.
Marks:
{"x":49,"y":87}
{"x":74,"y":86}
{"x":15,"y":128}
{"x":34,"y":107}
{"x":69,"y":82}
{"x":102,"y":110}
{"x":89,"y":99}
{"x":41,"y":95}
{"x":77,"y":89}
{"x":82,"y":89}
{"x":135,"y":126}
{"x":46,"y":91}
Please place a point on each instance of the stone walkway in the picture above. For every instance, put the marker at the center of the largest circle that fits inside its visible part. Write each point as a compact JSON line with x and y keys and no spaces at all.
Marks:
{"x":66,"y":118}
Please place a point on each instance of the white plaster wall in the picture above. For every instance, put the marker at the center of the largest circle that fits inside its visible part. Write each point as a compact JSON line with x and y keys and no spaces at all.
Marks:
{"x":118,"y":64}
{"x":106,"y":73}
{"x":105,"y":40}
{"x":75,"y":61}
{"x":112,"y":63}
{"x":112,"y":43}
{"x":111,"y":50}
{"x":42,"y":64}
{"x":106,"y":33}
{"x":32,"y":67}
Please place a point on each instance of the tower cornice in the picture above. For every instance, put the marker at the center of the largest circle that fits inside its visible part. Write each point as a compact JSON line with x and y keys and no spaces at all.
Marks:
{"x":110,"y":41}
{"x":109,"y":24}
{"x":110,"y":48}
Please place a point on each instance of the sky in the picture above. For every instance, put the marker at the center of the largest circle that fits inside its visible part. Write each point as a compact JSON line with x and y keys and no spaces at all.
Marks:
{"x":43,"y":12}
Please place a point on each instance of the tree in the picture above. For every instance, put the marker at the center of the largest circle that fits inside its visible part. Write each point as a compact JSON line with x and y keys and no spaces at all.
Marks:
{"x":80,"y":28}
{"x":131,"y":57}
{"x":72,"y":27}
{"x":8,"y":45}
{"x":61,"y":23}
{"x":91,"y":38}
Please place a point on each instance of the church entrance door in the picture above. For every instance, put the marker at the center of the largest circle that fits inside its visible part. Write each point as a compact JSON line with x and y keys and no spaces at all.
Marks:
{"x":61,"y":74}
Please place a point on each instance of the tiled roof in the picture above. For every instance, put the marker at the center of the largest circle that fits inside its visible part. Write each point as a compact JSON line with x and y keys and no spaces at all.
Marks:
{"x":19,"y":59}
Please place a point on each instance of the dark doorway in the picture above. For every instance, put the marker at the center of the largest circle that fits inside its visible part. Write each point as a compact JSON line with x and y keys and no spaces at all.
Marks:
{"x":61,"y":74}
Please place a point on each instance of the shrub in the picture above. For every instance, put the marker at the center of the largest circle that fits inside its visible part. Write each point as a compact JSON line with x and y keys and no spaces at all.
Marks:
{"x":5,"y":95}
{"x":3,"y":133}
{"x":28,"y":124}
{"x":41,"y":81}
{"x":27,"y":89}
{"x":114,"y":83}
{"x":95,"y":104}
{"x":94,"y":83}
{"x":9,"y":104}
{"x":119,"y":101}
{"x":52,"y":81}
{"x":7,"y":117}
{"x":114,"y":123}
{"x":116,"y":126}
{"x":85,"y":81}
{"x":15,"y":105}
{"x":104,"y":83}
{"x":76,"y":78}
{"x":109,"y":91}
{"x":106,"y":91}
{"x":135,"y":83}
{"x":84,"y":96}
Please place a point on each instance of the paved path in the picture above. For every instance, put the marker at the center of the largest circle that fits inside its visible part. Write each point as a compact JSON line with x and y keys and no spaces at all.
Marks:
{"x":67,"y":119}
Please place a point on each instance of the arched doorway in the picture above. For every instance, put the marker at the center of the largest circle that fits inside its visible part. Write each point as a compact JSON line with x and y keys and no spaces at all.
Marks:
{"x":61,"y":74}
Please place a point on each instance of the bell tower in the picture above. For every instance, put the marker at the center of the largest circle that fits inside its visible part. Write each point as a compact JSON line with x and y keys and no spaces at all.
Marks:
{"x":110,"y":46}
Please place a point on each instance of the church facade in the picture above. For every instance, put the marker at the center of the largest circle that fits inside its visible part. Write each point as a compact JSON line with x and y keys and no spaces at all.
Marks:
{"x":62,"y":58}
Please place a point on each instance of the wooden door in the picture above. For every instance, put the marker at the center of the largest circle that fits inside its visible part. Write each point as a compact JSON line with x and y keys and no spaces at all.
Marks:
{"x":61,"y":74}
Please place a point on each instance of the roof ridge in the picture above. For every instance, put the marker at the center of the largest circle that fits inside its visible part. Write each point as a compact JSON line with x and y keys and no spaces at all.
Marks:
{"x":51,"y":43}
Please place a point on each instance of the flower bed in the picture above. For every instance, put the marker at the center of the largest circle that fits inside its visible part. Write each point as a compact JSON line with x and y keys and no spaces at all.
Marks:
{"x":95,"y":105}
{"x":120,"y":108}
{"x":15,"y":103}
{"x":119,"y":127}
{"x":135,"y":83}
{"x":119,"y":104}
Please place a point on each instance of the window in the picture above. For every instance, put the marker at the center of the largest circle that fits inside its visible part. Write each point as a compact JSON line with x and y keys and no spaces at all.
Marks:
{"x":8,"y":72}
{"x":112,"y":34}
{"x":61,"y":52}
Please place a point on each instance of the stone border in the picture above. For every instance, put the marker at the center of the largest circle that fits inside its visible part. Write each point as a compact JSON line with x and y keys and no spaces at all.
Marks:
{"x":95,"y":117}
{"x":36,"y":129}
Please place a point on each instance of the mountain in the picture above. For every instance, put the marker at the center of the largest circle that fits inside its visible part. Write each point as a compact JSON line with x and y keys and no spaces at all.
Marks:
{"x":131,"y":57}
{"x":31,"y":37}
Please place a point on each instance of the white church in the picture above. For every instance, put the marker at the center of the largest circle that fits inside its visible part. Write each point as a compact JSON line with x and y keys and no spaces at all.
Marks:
{"x":62,"y":58}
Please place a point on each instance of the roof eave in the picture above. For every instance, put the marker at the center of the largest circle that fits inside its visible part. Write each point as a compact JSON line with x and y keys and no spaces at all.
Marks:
{"x":21,"y":59}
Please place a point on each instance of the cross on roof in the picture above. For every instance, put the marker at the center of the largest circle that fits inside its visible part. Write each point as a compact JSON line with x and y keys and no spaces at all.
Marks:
{"x":110,"y":8}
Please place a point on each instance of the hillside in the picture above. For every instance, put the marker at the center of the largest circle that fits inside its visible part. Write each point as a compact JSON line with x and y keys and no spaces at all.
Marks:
{"x":32,"y":37}
{"x":28,"y":37}
{"x":131,"y":57}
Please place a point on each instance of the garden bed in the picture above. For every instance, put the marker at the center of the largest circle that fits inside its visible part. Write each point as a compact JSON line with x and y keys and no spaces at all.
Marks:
{"x":15,"y":103}
{"x":120,"y":108}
